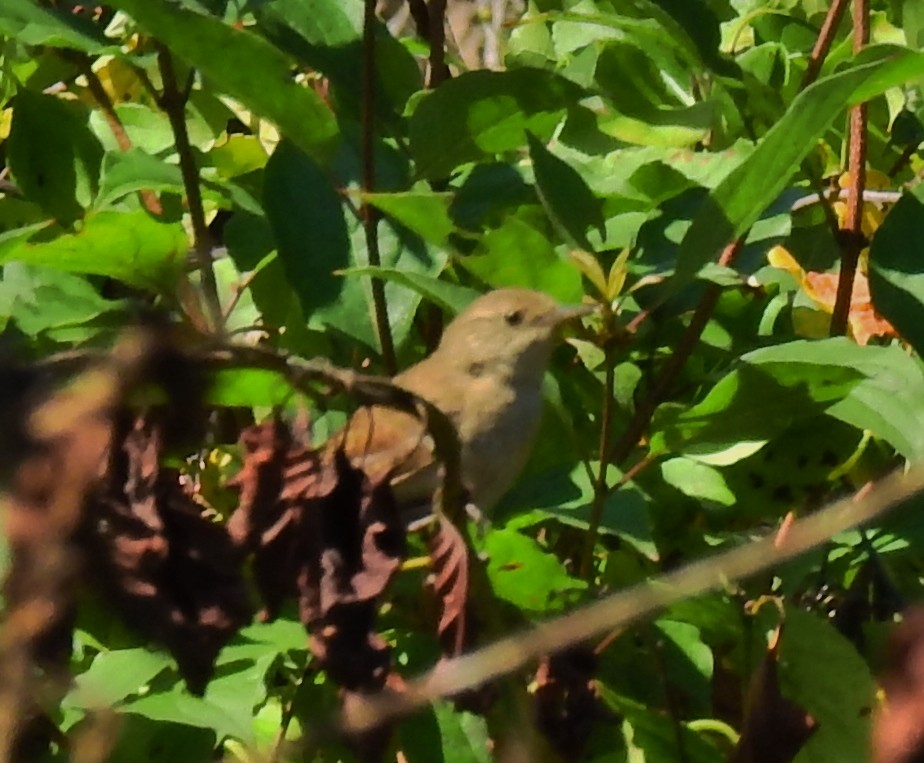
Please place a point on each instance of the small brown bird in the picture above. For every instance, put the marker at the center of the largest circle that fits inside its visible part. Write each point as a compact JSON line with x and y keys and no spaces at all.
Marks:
{"x":486,"y":376}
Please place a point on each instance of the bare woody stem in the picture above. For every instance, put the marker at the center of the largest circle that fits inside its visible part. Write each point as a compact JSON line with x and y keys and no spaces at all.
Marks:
{"x":852,"y":239}
{"x":368,"y":213}
{"x":645,"y":410}
{"x":173,"y":103}
{"x":823,"y":43}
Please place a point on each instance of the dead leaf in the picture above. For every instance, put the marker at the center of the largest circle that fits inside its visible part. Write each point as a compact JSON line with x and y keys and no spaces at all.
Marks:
{"x":775,"y":728}
{"x":171,"y":574}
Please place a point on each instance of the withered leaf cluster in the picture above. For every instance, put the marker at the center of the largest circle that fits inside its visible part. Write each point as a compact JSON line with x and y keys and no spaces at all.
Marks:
{"x":91,"y":504}
{"x":320,"y":531}
{"x":172,"y":574}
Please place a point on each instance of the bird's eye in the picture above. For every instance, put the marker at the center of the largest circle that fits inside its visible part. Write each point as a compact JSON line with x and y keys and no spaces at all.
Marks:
{"x":514,"y":317}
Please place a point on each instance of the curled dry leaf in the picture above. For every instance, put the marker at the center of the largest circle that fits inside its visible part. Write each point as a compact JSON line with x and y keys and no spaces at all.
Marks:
{"x":898,"y":731}
{"x":449,"y":559}
{"x":320,"y":531}
{"x":775,"y":728}
{"x":171,"y":573}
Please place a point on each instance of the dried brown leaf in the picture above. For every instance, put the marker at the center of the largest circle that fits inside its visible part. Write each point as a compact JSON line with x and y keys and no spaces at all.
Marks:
{"x":775,"y":728}
{"x":172,"y":574}
{"x":449,"y":560}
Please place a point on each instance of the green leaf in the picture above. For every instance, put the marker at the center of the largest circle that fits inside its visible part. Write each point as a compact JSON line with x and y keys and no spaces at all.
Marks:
{"x":889,"y":401}
{"x":570,"y":204}
{"x":821,"y":671}
{"x":249,"y":388}
{"x":480,"y":114}
{"x":246,"y":67}
{"x":113,"y":676}
{"x":566,"y":495}
{"x":449,"y":296}
{"x":697,"y":480}
{"x":53,"y":155}
{"x":522,"y":573}
{"x":896,"y":274}
{"x":30,"y":24}
{"x":126,"y":172}
{"x":687,"y":660}
{"x":748,"y":190}
{"x":427,"y":214}
{"x":307,"y":218}
{"x":129,"y":246}
{"x":653,"y":737}
{"x":757,"y":401}
{"x":520,"y":255}
{"x":40,"y":300}
{"x":141,"y":738}
{"x":326,"y":35}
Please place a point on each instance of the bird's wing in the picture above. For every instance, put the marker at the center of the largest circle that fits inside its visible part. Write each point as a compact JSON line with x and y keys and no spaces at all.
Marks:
{"x":390,"y":444}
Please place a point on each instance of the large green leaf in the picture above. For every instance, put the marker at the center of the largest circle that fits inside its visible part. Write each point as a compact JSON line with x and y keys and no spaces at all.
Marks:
{"x":113,"y":676}
{"x":425,"y":213}
{"x":821,"y":671}
{"x":126,"y":172}
{"x":570,"y":204}
{"x":129,"y":246}
{"x":519,"y":254}
{"x":246,"y":67}
{"x":889,"y":401}
{"x":54,"y":156}
{"x":757,"y":401}
{"x":522,"y":573}
{"x":896,"y":268}
{"x":45,"y":301}
{"x":326,"y":35}
{"x":317,"y":243}
{"x":566,"y":495}
{"x":741,"y":198}
{"x":480,"y":114}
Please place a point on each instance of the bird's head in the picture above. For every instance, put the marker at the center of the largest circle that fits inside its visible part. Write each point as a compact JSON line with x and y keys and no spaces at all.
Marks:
{"x":507,"y":331}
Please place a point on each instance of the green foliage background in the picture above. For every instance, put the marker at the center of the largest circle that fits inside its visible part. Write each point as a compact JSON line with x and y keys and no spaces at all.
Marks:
{"x":668,"y":128}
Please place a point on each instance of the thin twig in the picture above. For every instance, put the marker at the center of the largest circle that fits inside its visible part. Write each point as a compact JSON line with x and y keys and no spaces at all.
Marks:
{"x":173,"y":104}
{"x":823,"y":43}
{"x":439,"y":71}
{"x":645,"y":410}
{"x":148,"y":198}
{"x":619,"y":610}
{"x":370,"y":216}
{"x":601,"y":491}
{"x":853,"y":241}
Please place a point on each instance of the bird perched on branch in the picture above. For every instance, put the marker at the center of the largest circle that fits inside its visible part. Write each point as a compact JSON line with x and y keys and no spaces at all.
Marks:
{"x":486,"y":376}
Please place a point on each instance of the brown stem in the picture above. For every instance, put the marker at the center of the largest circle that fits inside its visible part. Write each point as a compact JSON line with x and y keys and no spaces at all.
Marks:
{"x":369,"y":214}
{"x":439,"y":71}
{"x":853,"y":241}
{"x":824,"y":41}
{"x":173,"y":103}
{"x":645,"y":410}
{"x":902,"y":160}
{"x":148,"y":198}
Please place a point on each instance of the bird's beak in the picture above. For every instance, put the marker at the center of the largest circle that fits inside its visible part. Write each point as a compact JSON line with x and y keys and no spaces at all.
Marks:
{"x":567,"y":313}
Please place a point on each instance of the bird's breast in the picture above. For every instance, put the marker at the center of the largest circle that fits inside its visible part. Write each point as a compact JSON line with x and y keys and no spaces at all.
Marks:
{"x":498,"y":426}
